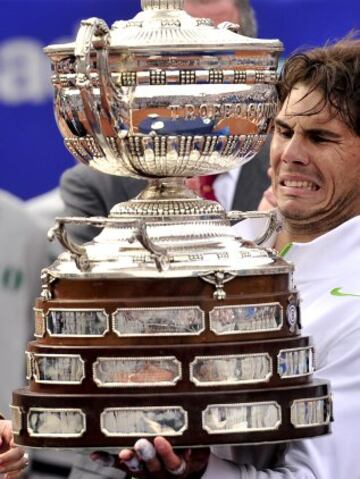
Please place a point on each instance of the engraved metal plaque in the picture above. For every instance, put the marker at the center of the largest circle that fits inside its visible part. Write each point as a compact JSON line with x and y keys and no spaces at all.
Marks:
{"x":16,"y":419}
{"x":295,"y":362}
{"x":51,"y":422}
{"x":84,"y":323}
{"x":246,"y":318}
{"x":186,"y":321}
{"x":39,"y":322}
{"x":29,"y":365}
{"x":245,"y":417}
{"x":58,"y":368}
{"x":311,"y":412}
{"x":231,"y":370}
{"x":130,"y":372}
{"x":146,"y":421}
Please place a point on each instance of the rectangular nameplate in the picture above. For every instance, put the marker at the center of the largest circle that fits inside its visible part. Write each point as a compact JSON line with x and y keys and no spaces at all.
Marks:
{"x":51,"y":422}
{"x":311,"y":412}
{"x":295,"y":362}
{"x":246,"y":318}
{"x":80,"y":323}
{"x":177,"y":321}
{"x":136,"y":372}
{"x":39,"y":322}
{"x":146,"y":421}
{"x":29,"y":365}
{"x":58,"y":368}
{"x":245,"y":417}
{"x":16,"y":419}
{"x":231,"y":370}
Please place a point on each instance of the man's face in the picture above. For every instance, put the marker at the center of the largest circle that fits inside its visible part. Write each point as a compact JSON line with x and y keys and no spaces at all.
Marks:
{"x":217,"y":10}
{"x":316,"y":164}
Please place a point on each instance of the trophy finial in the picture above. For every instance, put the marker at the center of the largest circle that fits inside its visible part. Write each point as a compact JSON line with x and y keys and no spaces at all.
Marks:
{"x":162,"y":4}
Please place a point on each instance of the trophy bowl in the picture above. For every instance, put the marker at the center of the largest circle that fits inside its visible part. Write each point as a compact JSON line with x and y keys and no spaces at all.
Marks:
{"x":164,"y":94}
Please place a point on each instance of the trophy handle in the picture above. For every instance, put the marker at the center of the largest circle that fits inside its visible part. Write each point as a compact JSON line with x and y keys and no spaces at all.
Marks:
{"x":106,"y":112}
{"x":79,"y":253}
{"x":274,"y":224}
{"x":158,"y":254}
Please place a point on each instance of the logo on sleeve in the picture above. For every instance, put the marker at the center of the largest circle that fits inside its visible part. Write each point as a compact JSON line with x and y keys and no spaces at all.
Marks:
{"x":339,"y":293}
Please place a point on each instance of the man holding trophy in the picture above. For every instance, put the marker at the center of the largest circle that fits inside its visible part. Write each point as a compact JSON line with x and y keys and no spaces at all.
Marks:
{"x":167,"y":263}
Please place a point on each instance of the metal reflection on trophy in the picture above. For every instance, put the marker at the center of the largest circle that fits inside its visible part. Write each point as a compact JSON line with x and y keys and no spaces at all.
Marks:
{"x":167,"y":323}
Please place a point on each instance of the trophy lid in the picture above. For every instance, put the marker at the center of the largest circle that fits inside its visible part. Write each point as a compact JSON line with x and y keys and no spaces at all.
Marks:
{"x":163,"y":26}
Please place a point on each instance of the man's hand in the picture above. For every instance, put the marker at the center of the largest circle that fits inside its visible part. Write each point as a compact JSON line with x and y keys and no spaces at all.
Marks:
{"x":158,"y":460}
{"x":13,"y":460}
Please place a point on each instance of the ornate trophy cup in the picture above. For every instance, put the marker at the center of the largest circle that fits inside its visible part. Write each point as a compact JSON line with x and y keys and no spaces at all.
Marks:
{"x":166,"y":323}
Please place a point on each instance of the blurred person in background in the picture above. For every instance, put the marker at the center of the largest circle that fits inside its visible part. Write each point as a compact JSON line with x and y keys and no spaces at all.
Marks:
{"x":238,"y":12}
{"x":22,"y":256}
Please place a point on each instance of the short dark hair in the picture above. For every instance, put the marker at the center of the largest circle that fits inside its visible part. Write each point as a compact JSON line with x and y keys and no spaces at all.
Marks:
{"x":334,"y":70}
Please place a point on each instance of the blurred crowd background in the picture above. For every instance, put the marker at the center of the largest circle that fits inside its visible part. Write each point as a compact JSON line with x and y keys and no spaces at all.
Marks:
{"x":31,"y":147}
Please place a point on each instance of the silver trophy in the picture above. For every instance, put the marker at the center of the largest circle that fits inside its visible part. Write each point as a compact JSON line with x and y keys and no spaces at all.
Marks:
{"x":167,"y":323}
{"x":164,"y":97}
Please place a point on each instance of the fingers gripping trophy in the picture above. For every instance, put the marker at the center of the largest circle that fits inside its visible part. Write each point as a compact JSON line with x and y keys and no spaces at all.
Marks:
{"x":166,"y":323}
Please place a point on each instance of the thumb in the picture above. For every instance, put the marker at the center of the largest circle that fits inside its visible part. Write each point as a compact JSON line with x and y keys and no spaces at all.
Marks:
{"x":163,"y":447}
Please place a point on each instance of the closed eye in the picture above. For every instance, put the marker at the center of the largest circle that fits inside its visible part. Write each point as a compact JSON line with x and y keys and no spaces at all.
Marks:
{"x":319,"y":138}
{"x":284,"y":132}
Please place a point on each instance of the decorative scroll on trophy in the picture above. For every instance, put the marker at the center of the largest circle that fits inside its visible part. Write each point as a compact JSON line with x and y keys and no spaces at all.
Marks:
{"x":167,"y":323}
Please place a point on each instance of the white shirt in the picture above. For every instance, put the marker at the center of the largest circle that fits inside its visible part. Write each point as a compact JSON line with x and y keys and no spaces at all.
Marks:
{"x":225,"y":186}
{"x":328,"y":277}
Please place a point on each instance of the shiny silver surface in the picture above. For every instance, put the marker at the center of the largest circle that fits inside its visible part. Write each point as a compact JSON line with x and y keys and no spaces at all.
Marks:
{"x":242,"y":417}
{"x":77,"y":323}
{"x":163,"y":96}
{"x":56,"y":422}
{"x":137,"y":371}
{"x":161,"y":321}
{"x":311,"y":412}
{"x":202,"y":104}
{"x":144,"y":421}
{"x":58,"y":368}
{"x":246,"y":318}
{"x":231,"y":369}
{"x":295,"y":362}
{"x":16,"y":419}
{"x":187,"y":245}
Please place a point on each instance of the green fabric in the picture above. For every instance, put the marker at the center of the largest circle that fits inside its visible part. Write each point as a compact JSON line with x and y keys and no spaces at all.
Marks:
{"x":286,"y":249}
{"x":339,"y":293}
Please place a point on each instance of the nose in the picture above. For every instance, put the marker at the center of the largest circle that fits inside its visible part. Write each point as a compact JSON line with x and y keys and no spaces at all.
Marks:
{"x":295,"y":151}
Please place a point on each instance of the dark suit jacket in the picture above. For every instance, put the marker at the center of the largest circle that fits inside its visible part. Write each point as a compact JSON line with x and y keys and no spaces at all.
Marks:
{"x":87,"y":192}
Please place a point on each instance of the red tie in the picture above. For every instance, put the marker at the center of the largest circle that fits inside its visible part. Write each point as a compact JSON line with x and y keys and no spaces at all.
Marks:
{"x":206,"y":187}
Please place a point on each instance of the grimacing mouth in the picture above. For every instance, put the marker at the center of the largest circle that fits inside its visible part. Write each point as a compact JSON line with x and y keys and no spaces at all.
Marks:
{"x":302,"y":184}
